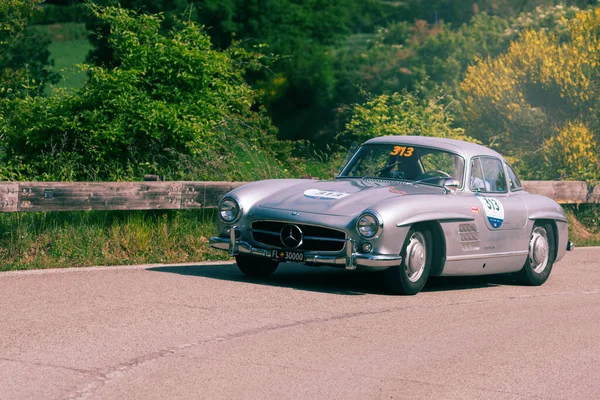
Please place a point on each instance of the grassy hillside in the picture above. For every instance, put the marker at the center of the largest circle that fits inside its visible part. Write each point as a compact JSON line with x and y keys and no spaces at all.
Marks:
{"x":69,"y":47}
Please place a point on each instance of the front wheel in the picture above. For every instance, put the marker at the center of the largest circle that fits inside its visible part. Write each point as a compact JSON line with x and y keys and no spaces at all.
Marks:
{"x":540,"y":259}
{"x":255,"y":267}
{"x":410,"y":276}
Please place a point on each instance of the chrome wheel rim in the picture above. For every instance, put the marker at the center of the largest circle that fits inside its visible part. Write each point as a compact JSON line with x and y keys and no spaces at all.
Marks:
{"x":539,"y":253}
{"x":416,"y":257}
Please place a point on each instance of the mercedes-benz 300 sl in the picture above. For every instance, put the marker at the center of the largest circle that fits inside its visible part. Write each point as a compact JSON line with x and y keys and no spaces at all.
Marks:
{"x":409,"y":206}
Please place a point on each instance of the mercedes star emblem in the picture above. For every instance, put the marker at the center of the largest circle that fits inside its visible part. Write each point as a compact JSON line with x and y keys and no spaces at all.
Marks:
{"x":291,"y":236}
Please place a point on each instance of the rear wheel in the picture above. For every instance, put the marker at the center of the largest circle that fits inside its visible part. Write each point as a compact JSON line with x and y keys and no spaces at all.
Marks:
{"x":255,"y":267}
{"x":410,"y":275}
{"x":540,"y":259}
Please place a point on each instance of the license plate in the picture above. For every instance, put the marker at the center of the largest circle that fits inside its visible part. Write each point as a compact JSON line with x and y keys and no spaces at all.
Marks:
{"x":283,"y":255}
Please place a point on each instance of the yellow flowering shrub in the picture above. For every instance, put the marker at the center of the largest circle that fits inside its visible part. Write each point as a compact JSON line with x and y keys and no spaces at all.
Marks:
{"x":526,"y":101}
{"x":573,"y":152}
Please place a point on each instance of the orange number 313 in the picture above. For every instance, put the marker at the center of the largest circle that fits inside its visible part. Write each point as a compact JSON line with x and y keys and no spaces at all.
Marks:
{"x":402,"y":151}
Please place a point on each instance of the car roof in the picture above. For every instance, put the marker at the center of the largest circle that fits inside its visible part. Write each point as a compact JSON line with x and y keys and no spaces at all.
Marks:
{"x":466,"y":149}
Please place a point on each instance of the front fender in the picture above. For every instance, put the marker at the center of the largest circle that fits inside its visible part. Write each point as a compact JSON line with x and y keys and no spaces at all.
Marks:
{"x":439,"y":216}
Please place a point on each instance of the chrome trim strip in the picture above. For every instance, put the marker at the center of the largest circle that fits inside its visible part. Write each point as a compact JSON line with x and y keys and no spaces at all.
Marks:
{"x":349,"y":259}
{"x":491,"y":255}
{"x":323,"y":239}
{"x":266,"y":232}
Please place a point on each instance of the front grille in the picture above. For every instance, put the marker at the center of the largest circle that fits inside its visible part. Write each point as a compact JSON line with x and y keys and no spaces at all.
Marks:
{"x":316,"y":238}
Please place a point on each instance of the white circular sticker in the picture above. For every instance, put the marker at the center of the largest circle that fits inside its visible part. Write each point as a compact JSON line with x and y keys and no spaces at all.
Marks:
{"x":493,"y":209}
{"x":324,"y":194}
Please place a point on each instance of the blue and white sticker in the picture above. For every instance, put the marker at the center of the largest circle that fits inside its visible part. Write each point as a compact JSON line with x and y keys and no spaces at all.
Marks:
{"x":494,"y":211}
{"x":324,"y":194}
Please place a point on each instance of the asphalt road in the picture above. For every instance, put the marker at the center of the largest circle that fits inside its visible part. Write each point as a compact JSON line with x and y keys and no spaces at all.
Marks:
{"x":207,"y":332}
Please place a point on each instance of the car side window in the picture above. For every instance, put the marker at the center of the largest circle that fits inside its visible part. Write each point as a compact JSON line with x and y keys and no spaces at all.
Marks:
{"x":487,"y":175}
{"x":445,"y":163}
{"x":513,"y":179}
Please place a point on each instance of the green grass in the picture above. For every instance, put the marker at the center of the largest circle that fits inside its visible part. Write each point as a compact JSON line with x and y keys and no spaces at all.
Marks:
{"x":69,"y":47}
{"x":66,"y":56}
{"x":80,"y":239}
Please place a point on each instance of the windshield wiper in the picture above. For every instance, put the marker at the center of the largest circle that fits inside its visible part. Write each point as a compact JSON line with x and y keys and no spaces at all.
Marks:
{"x":385,"y":167}
{"x":443,"y":178}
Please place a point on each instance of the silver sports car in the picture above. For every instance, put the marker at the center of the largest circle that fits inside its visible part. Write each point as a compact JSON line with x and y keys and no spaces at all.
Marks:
{"x":409,"y":206}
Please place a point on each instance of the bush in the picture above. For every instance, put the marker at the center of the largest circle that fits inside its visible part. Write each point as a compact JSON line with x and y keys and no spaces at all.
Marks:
{"x":403,"y":113}
{"x":174,"y":106}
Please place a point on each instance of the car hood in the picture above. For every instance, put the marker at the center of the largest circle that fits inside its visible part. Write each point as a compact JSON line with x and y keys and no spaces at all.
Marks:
{"x":343,"y":196}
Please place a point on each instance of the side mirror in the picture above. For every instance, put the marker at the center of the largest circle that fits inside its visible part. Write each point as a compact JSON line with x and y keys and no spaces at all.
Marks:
{"x":451,"y":185}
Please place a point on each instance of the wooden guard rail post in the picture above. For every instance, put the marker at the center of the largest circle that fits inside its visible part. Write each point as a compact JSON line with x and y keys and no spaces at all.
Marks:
{"x":81,"y":196}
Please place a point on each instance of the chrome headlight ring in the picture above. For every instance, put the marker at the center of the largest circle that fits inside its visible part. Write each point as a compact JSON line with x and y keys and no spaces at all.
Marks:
{"x":369,"y":225}
{"x":229,"y":210}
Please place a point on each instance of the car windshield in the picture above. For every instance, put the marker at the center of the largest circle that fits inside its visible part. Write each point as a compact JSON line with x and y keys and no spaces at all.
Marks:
{"x":405,"y":162}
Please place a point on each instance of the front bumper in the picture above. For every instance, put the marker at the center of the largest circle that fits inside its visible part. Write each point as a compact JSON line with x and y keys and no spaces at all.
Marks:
{"x":348,"y":259}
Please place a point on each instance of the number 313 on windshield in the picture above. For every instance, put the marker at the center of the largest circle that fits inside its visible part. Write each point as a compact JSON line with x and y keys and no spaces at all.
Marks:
{"x":402,"y":151}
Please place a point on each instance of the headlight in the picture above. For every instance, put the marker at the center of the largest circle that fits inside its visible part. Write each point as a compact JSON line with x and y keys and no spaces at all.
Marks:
{"x":367,"y":226}
{"x":229,"y":210}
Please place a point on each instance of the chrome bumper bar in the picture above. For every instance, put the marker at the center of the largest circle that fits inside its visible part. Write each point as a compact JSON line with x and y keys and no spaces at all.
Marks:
{"x":349,"y":260}
{"x":570,"y":246}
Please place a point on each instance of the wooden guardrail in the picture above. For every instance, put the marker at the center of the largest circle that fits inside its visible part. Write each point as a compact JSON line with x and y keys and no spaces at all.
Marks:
{"x":73,"y":196}
{"x":565,"y":192}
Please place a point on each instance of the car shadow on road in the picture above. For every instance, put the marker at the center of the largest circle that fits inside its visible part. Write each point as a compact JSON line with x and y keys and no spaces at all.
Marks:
{"x":331,"y":280}
{"x":449,"y":283}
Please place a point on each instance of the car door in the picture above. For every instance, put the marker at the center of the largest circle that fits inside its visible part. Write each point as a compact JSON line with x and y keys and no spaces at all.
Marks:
{"x":502,"y":213}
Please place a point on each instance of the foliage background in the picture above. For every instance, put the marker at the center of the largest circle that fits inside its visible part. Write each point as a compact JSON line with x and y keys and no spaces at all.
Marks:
{"x":253,"y":89}
{"x":189,"y":89}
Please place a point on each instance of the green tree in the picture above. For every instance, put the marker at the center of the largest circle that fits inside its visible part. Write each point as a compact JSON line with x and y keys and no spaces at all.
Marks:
{"x":24,"y":56}
{"x":173,"y":106}
{"x":298,"y":89}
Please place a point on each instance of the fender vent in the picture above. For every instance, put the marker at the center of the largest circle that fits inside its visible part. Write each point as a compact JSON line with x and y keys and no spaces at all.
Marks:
{"x":469,"y":237}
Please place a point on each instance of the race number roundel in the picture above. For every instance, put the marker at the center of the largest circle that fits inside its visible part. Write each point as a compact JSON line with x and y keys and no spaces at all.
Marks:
{"x":324,"y":194}
{"x":493,"y":210}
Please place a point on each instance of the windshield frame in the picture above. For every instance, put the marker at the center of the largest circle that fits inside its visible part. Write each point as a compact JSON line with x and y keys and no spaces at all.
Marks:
{"x":352,"y":161}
